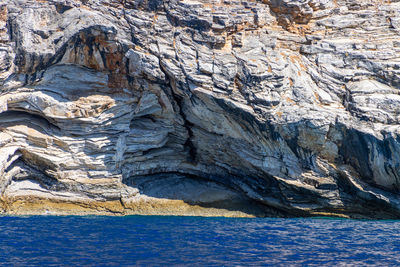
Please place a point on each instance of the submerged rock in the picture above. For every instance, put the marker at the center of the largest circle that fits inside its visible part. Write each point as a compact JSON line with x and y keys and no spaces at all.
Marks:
{"x":209,"y":107}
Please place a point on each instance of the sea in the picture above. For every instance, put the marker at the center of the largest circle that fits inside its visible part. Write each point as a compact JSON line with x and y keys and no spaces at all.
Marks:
{"x":196,"y":241}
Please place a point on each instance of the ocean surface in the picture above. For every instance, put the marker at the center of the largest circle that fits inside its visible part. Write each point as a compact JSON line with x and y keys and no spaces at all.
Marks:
{"x":196,"y":241}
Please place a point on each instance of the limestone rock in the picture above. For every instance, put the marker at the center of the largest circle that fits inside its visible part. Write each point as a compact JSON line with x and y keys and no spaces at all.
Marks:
{"x":207,"y":107}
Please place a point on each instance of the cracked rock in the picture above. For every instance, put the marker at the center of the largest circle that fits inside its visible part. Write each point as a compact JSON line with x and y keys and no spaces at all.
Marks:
{"x":213,"y":108}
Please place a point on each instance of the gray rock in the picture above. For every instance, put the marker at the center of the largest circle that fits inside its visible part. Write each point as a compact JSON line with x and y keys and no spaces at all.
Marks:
{"x":265,"y":108}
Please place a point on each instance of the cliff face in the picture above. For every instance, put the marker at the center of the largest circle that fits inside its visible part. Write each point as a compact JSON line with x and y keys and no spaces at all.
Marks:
{"x":205,"y":107}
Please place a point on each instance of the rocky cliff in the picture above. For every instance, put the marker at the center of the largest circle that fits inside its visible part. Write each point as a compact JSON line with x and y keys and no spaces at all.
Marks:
{"x":208,"y":107}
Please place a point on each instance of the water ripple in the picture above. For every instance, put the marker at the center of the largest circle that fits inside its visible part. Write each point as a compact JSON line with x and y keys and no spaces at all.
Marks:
{"x":155,"y":241}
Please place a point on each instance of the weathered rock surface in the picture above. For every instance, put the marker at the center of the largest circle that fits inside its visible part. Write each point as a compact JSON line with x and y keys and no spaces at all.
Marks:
{"x":208,"y":107}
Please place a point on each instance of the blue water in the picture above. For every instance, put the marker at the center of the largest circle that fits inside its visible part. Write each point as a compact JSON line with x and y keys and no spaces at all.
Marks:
{"x":196,"y":241}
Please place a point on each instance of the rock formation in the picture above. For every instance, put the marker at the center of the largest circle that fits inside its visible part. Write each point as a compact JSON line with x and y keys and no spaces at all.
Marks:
{"x":207,"y":107}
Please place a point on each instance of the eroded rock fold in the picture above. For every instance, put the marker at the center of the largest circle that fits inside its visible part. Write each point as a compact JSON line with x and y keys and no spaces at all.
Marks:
{"x":208,"y":107}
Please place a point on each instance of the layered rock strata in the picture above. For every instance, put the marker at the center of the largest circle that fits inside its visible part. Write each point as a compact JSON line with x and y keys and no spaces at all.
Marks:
{"x":208,"y":107}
